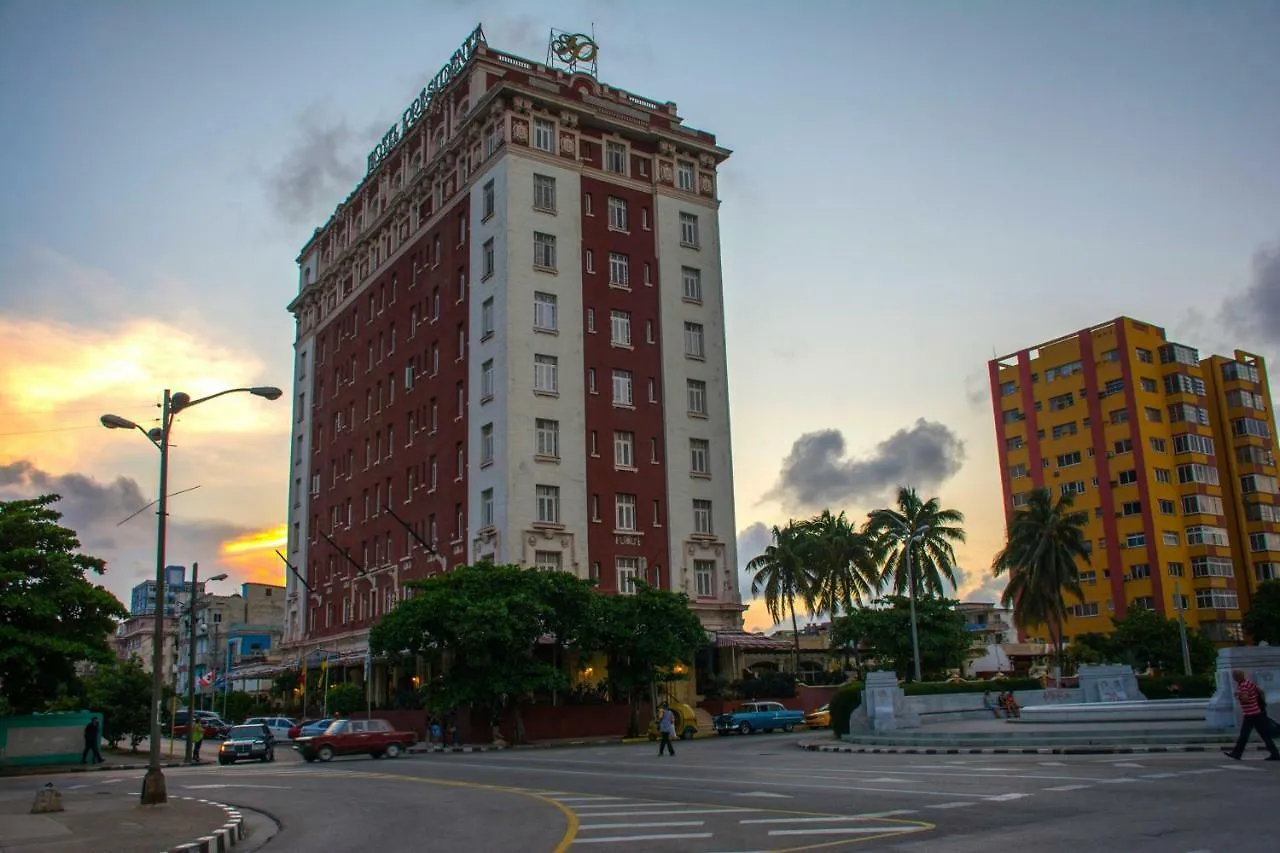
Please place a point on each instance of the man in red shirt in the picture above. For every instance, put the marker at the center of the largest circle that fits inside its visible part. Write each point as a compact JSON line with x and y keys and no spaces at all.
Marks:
{"x":1254,"y":719}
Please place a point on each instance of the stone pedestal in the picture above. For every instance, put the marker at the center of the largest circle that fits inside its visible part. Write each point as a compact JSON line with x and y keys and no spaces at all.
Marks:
{"x":1262,"y":664}
{"x":884,"y":706}
{"x":1109,"y":683}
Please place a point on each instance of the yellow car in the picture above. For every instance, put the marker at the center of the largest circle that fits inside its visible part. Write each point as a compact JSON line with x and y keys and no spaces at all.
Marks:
{"x":819,"y":718}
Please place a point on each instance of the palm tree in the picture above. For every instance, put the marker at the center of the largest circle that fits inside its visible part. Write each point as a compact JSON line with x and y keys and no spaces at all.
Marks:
{"x":783,"y":574}
{"x":842,"y":559}
{"x":1044,"y":541}
{"x":933,"y":559}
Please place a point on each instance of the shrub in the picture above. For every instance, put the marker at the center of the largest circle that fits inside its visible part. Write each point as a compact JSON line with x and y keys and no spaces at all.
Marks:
{"x":843,"y":703}
{"x":1191,"y":687}
{"x":999,"y":685}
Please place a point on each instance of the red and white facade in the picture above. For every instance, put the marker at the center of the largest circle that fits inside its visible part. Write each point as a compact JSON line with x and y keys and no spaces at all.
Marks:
{"x":512,"y":333}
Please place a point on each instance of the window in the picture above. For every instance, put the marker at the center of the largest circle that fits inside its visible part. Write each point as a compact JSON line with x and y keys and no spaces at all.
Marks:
{"x":548,"y":499}
{"x":700,"y":456}
{"x":1135,"y":540}
{"x":1114,"y":386}
{"x":1197,"y":473}
{"x":1064,"y":429}
{"x":1064,"y":371}
{"x":1261,"y":512}
{"x":547,"y":438}
{"x":617,"y":214}
{"x":702,"y":517}
{"x":547,"y":561}
{"x":619,"y":269}
{"x":1062,"y":401}
{"x":694,"y":340}
{"x":620,"y":328}
{"x":1012,"y":415}
{"x":1211,"y":567}
{"x":1068,"y":459}
{"x":1168,"y":507}
{"x":1083,"y":610}
{"x":692,"y":277}
{"x":1217,"y":599}
{"x":1177,"y":353}
{"x":1090,"y":577}
{"x":487,"y":261}
{"x":544,"y":312}
{"x":1021,"y":499}
{"x":622,"y":388}
{"x":544,"y":193}
{"x":486,"y":380}
{"x":628,"y":572}
{"x":1139,"y":572}
{"x":1189,"y":413}
{"x":486,"y":508}
{"x":1148,"y":384}
{"x":689,"y":229}
{"x":696,"y":391}
{"x":684,"y":175}
{"x":1131,"y":508}
{"x":1153,"y":415}
{"x":1144,"y":355}
{"x":1170,"y":538}
{"x":546,"y":374}
{"x":1126,"y":478}
{"x":625,"y":512}
{"x":1257,"y":484}
{"x":544,"y":250}
{"x":624,"y":449}
{"x":487,"y":200}
{"x":1119,"y":416}
{"x":1250,"y":426}
{"x":1264,"y":541}
{"x":1202,"y":534}
{"x":1014,"y":443}
{"x":1266,"y":571}
{"x":1143,"y":602}
{"x":486,"y":444}
{"x":704,"y":577}
{"x":615,"y":157}
{"x":1245,"y":399}
{"x":1159,"y":445}
{"x":1163,"y":475}
{"x":1018,"y":471}
{"x":1236,"y":370}
{"x":1250,"y":455}
{"x":1201,"y":505}
{"x":1181,"y":383}
{"x":544,"y":135}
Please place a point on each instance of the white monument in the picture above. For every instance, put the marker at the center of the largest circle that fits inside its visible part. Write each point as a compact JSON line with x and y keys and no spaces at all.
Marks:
{"x":884,"y":706}
{"x":1109,"y":683}
{"x":1261,"y":663}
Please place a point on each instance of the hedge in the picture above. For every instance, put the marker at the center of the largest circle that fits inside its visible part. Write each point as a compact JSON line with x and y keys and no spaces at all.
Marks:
{"x":843,"y":703}
{"x":1190,"y":686}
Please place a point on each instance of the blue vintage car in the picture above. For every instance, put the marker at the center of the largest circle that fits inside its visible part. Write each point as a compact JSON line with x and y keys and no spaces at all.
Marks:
{"x":751,"y":717}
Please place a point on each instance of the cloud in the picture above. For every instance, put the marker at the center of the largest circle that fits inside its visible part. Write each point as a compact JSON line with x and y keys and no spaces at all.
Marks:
{"x":977,"y":389}
{"x":817,"y":474}
{"x":323,"y":165}
{"x":95,"y":510}
{"x":989,"y":590}
{"x":1255,"y":313}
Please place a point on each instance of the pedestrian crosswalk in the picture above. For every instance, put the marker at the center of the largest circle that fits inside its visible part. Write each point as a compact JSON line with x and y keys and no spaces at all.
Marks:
{"x":642,"y":824}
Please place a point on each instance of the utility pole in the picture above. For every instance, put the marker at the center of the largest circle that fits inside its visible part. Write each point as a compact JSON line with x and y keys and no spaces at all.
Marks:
{"x":1182,"y":629}
{"x":191,"y":659}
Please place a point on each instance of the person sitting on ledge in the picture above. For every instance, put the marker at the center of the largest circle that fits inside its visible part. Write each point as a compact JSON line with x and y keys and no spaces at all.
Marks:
{"x":991,"y":704}
{"x":1010,"y":704}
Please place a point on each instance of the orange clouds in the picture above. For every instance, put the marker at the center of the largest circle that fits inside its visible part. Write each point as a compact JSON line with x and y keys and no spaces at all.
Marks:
{"x":253,"y":556}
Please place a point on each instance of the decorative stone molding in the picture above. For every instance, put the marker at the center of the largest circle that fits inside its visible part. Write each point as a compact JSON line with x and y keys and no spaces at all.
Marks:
{"x":706,"y":161}
{"x":705,"y":185}
{"x":519,"y":132}
{"x":568,"y":145}
{"x":666,"y":172}
{"x":568,"y":119}
{"x":667,"y":149}
{"x":522,"y":105}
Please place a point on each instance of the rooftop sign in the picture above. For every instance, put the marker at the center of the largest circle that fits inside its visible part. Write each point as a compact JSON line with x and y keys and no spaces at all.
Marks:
{"x":421,"y":105}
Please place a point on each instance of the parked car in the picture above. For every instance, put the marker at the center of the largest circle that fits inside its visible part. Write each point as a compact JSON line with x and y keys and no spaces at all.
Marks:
{"x":213,"y":726}
{"x":297,"y":728}
{"x":315,"y":727}
{"x":355,"y":737}
{"x":278,"y":726}
{"x":818,"y":718}
{"x":245,"y":743}
{"x":753,"y":717}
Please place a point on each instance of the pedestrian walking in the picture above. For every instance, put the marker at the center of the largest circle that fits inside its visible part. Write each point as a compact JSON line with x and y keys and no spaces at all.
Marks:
{"x":92,"y":737}
{"x":666,"y":728}
{"x":197,"y":738}
{"x":1255,"y":718}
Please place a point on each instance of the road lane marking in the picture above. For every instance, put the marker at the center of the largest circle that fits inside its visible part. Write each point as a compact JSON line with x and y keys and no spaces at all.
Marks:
{"x":845,"y":830}
{"x":763,"y":794}
{"x":622,"y":839}
{"x":1125,"y":764}
{"x":1069,"y":788}
{"x":1004,"y":798}
{"x":584,"y":799}
{"x":832,"y":819}
{"x":1119,"y":780}
{"x":580,"y":806}
{"x":1158,"y":775}
{"x":893,"y":813}
{"x":667,"y":812}
{"x":1052,"y":763}
{"x":951,"y":805}
{"x":664,"y":824}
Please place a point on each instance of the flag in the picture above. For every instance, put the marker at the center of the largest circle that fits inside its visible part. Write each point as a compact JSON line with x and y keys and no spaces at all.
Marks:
{"x":207,"y":678}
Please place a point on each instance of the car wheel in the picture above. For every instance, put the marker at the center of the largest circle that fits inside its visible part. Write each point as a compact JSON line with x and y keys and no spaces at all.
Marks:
{"x":309,"y":758}
{"x":325,"y":753}
{"x":392,"y":750}
{"x":744,"y":728}
{"x":787,"y":728}
{"x":224,"y":762}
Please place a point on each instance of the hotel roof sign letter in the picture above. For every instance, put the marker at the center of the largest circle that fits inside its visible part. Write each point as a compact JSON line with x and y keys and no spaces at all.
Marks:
{"x":423,"y":103}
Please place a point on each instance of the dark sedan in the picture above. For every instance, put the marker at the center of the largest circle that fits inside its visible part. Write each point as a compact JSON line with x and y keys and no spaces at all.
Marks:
{"x":247,"y":743}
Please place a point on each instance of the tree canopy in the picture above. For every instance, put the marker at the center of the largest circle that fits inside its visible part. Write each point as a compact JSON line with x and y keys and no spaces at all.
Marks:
{"x":933,"y":557}
{"x":52,"y":616}
{"x":885,"y":631}
{"x":1263,"y":619}
{"x":1145,"y":638}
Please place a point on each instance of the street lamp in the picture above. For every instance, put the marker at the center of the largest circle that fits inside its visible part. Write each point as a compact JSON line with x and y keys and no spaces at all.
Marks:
{"x":1182,"y":630}
{"x":191,"y":654}
{"x":911,"y":592}
{"x":153,"y":785}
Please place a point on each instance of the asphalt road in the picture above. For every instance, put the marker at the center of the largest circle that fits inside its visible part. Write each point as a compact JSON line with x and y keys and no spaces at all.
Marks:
{"x":756,"y":793}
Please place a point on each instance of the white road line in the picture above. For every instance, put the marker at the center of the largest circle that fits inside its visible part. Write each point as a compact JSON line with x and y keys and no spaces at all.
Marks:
{"x":665,"y":823}
{"x":887,"y":814}
{"x":1119,"y":780}
{"x":667,"y":812}
{"x":846,"y":830}
{"x":1069,"y":788}
{"x":951,"y":805}
{"x":1239,"y":766}
{"x":1052,"y":763}
{"x":619,"y":839}
{"x":1202,"y":770}
{"x":1004,"y":798}
{"x":580,"y":806}
{"x":1158,"y":775}
{"x":829,"y":819}
{"x":583,"y":799}
{"x":1125,"y":764}
{"x":887,"y":780}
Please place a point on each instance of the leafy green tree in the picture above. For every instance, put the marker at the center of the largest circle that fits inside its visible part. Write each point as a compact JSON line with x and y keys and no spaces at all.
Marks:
{"x":51,"y":616}
{"x":645,"y":636}
{"x":346,"y":698}
{"x":121,"y":692}
{"x":1045,"y":541}
{"x":842,"y":560}
{"x":237,"y":705}
{"x":1263,"y":619}
{"x":933,"y":557}
{"x":783,"y":573}
{"x":886,"y":632}
{"x":488,"y":619}
{"x":1144,"y":638}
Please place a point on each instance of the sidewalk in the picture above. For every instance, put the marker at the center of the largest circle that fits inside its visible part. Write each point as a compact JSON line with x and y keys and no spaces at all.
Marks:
{"x":114,"y":759}
{"x":110,"y":822}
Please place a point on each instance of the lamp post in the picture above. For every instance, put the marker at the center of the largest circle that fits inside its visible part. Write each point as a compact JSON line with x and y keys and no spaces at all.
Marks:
{"x":1182,"y":630}
{"x":191,"y":654}
{"x":911,"y":595}
{"x":153,"y":784}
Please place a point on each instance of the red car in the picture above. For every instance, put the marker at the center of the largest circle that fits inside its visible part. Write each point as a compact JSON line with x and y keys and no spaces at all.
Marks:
{"x":355,"y":737}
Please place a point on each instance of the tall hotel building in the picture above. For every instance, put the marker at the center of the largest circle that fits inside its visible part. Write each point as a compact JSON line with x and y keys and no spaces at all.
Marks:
{"x":1172,"y":457}
{"x":510,"y":337}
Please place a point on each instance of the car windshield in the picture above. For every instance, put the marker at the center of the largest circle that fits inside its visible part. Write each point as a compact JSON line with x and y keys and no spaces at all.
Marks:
{"x":337,"y":727}
{"x":247,"y":732}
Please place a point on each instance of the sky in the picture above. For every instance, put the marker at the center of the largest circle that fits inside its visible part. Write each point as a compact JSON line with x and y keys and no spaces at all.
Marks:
{"x":914,"y":189}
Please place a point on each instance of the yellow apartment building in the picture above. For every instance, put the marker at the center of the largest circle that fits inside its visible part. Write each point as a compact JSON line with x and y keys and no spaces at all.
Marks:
{"x":1171,"y":456}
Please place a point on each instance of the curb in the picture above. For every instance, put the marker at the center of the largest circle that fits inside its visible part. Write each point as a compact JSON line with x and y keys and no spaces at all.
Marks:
{"x":51,"y":769}
{"x":221,"y":839}
{"x":1054,"y":750}
{"x":424,"y":750}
